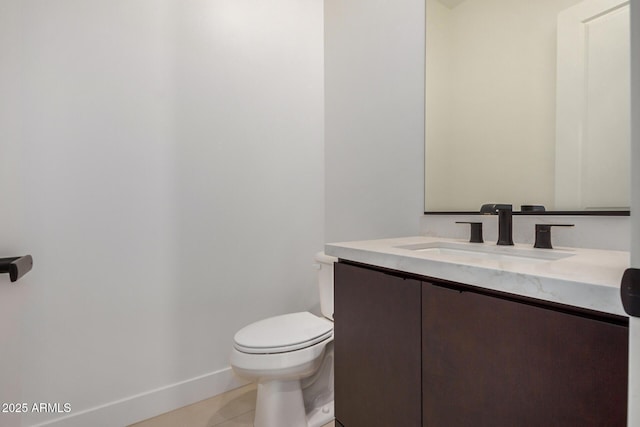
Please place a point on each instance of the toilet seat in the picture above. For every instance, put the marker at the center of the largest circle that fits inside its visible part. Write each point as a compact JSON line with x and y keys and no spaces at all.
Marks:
{"x":281,"y":334}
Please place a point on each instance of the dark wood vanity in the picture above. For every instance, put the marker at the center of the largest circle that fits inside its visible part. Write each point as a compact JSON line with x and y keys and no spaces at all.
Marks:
{"x":415,"y":351}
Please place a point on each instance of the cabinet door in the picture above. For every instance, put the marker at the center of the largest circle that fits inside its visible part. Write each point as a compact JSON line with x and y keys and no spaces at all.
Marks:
{"x":493,"y":362}
{"x":377,"y":349}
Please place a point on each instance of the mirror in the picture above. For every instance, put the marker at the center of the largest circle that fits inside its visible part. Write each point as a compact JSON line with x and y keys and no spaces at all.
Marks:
{"x":527,"y":102}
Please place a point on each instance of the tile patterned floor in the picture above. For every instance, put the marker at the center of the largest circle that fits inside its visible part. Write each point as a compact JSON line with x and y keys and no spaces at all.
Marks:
{"x":232,"y":409}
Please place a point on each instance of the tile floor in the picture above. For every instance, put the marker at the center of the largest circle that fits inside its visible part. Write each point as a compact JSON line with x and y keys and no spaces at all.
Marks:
{"x":232,"y":409}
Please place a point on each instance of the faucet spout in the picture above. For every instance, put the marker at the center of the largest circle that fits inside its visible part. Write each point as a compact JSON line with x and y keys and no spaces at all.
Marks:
{"x":505,"y":227}
{"x":494,"y":208}
{"x":505,"y":221}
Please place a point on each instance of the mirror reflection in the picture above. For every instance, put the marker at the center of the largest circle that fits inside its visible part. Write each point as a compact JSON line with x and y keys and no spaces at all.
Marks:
{"x":527,"y":102}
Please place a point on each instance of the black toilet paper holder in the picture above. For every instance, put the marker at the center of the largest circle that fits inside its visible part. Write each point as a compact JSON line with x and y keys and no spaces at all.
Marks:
{"x":16,"y":266}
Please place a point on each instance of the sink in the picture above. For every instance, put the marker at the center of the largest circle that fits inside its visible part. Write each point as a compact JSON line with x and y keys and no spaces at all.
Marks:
{"x":479,"y":252}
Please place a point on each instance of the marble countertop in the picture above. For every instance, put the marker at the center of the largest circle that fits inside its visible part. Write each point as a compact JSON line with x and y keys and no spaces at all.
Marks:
{"x":586,"y":278}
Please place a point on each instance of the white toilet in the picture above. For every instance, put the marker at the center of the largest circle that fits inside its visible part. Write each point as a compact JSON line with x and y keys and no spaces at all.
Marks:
{"x":291,"y":359}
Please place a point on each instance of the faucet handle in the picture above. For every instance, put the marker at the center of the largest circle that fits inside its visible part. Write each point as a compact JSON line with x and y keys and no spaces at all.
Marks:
{"x":476,"y":231}
{"x":16,"y":266}
{"x":543,"y":235}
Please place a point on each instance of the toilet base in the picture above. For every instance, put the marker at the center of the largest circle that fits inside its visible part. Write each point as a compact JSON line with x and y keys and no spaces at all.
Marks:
{"x":321,"y":416}
{"x":281,"y":404}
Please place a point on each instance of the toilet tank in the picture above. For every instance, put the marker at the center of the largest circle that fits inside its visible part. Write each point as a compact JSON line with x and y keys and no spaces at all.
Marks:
{"x":324,"y":264}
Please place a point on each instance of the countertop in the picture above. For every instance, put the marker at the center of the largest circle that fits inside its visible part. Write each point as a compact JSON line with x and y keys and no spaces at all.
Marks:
{"x":585,"y":278}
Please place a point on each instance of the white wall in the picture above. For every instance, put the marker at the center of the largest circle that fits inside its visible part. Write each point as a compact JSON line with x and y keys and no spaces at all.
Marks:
{"x":634,"y":334}
{"x":374,"y":118}
{"x":169,"y":176}
{"x":635,"y":146}
{"x":10,"y":210}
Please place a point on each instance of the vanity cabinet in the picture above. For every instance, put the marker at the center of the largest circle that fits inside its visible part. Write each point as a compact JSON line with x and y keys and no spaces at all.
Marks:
{"x":490,"y":361}
{"x":377,"y":342}
{"x":414,"y":351}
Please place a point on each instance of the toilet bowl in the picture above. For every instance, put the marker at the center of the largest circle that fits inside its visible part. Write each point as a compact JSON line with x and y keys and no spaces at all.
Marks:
{"x":290,"y":357}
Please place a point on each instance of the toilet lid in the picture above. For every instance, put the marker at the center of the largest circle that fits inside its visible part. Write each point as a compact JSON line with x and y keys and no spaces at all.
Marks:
{"x":284,"y":333}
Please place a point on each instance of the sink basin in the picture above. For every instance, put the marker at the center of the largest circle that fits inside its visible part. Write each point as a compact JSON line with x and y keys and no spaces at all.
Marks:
{"x":478,"y":252}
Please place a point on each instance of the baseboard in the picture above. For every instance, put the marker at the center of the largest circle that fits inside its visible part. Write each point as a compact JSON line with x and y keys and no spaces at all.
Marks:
{"x":149,"y":404}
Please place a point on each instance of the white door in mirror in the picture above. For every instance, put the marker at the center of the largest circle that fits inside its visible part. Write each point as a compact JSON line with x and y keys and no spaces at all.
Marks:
{"x":593,"y":114}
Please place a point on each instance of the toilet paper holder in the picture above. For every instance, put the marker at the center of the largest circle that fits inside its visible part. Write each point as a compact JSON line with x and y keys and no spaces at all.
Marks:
{"x":16,"y":266}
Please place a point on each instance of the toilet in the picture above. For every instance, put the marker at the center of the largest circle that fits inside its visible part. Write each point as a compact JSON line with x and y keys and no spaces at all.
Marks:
{"x":291,"y":358}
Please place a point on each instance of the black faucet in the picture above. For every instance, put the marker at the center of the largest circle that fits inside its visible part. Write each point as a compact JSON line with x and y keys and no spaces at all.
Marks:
{"x":505,"y":221}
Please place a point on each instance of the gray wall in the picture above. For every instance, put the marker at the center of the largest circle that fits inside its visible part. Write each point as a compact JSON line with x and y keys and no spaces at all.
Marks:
{"x":374,"y":118}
